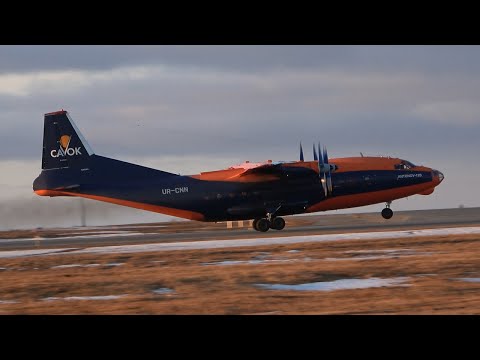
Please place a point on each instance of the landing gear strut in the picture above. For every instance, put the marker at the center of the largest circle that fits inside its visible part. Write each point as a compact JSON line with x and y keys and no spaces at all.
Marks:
{"x":264,"y":224}
{"x":387,"y":213}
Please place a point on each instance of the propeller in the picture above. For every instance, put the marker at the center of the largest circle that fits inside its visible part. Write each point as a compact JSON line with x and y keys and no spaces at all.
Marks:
{"x":325,"y":170}
{"x":321,"y":171}
{"x":329,"y":170}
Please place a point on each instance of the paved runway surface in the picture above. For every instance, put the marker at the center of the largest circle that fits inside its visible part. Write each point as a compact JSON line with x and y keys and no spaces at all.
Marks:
{"x":195,"y":231}
{"x":239,"y":243}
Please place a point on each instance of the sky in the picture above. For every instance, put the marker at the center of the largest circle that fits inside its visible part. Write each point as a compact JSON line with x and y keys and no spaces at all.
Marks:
{"x":187,"y":109}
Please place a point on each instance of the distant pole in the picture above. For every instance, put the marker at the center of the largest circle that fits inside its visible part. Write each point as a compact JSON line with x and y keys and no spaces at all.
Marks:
{"x":83,"y":213}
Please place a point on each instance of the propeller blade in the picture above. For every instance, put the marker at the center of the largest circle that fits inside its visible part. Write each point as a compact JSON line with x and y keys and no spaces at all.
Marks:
{"x":320,"y":160}
{"x":324,"y":184}
{"x":321,"y":172}
{"x":329,"y":172}
{"x":329,"y":181}
{"x":301,"y":153}
{"x":314,"y":153}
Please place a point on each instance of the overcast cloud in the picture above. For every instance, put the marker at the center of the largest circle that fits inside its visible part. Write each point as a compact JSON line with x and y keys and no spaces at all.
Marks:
{"x":188,"y":109}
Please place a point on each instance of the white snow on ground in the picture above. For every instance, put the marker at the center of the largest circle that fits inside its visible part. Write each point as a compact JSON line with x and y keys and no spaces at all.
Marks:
{"x":380,"y":251}
{"x":240,"y":262}
{"x":162,"y":291}
{"x":84,"y":266}
{"x":474,"y":280}
{"x":375,"y":257}
{"x":19,"y":253}
{"x":73,"y":298}
{"x":343,"y":284}
{"x":222,"y":244}
{"x":73,"y":266}
{"x":6,"y":241}
{"x":382,"y":254}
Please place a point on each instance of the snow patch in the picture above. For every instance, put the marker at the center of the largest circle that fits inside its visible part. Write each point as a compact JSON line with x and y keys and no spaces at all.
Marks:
{"x":75,"y":298}
{"x":162,"y":291}
{"x":344,"y":284}
{"x":474,"y":280}
{"x":88,"y":236}
{"x":255,"y":262}
{"x":84,"y":265}
{"x":73,"y":266}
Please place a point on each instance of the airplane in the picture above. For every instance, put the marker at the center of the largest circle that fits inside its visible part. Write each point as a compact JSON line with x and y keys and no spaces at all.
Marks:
{"x":262,"y":192}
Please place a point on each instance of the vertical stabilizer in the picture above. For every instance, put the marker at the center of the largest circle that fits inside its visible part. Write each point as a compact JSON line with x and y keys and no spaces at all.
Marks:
{"x":63,"y":144}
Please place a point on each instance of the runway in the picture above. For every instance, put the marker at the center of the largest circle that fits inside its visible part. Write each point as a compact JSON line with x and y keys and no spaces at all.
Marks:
{"x":238,"y":243}
{"x":194,"y":231}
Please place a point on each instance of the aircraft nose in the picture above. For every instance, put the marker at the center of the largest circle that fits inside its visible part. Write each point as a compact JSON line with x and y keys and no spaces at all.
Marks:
{"x":439,"y":175}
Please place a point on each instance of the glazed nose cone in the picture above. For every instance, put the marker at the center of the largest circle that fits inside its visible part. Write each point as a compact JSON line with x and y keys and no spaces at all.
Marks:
{"x":439,"y":175}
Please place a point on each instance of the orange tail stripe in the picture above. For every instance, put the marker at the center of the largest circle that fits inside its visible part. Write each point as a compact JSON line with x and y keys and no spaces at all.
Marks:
{"x":191,"y":215}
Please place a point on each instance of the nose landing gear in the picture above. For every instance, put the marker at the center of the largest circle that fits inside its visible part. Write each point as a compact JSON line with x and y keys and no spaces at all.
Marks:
{"x":387,"y":213}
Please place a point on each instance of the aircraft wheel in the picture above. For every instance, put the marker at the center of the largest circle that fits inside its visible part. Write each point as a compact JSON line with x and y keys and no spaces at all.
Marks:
{"x":278,"y":223}
{"x":254,"y":224}
{"x":387,"y":213}
{"x":262,"y":225}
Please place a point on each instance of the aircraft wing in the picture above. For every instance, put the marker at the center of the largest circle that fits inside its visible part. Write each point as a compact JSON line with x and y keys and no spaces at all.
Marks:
{"x":280,"y":170}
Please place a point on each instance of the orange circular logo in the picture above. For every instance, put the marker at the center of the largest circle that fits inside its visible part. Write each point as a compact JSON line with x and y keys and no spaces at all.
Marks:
{"x":65,"y":141}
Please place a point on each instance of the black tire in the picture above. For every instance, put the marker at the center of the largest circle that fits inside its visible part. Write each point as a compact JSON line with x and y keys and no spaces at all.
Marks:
{"x":278,"y":223}
{"x":254,"y":224}
{"x":263,"y":225}
{"x":387,"y":213}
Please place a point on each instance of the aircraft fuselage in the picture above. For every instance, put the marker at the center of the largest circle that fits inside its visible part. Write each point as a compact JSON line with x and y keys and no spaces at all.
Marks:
{"x":263,"y":191}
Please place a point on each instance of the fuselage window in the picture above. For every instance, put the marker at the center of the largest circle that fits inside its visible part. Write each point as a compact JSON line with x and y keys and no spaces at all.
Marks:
{"x":404,"y":165}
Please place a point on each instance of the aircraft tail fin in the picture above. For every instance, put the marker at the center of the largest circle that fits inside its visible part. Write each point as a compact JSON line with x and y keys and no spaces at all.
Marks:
{"x":63,"y":144}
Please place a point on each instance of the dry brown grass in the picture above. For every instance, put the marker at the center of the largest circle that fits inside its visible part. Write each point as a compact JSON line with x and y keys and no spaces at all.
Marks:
{"x":432,"y":267}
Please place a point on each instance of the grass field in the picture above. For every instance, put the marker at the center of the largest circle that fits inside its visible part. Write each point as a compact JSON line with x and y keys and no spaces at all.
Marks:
{"x":431,"y":275}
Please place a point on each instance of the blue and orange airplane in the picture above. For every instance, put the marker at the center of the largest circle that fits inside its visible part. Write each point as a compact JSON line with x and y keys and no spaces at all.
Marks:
{"x":260,"y":191}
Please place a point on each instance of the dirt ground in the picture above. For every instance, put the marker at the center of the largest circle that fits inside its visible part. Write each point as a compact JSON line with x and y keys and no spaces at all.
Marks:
{"x":438,"y":276}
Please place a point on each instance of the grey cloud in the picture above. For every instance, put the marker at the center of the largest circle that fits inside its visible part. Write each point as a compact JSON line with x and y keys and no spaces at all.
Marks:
{"x":167,"y":111}
{"x":195,"y":108}
{"x":242,"y":58}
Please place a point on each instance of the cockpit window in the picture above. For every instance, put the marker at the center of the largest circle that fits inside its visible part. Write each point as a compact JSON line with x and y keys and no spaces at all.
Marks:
{"x":404,"y":165}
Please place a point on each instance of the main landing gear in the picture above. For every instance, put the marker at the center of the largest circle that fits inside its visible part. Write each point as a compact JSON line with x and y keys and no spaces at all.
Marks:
{"x":387,"y":213}
{"x":264,"y":224}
